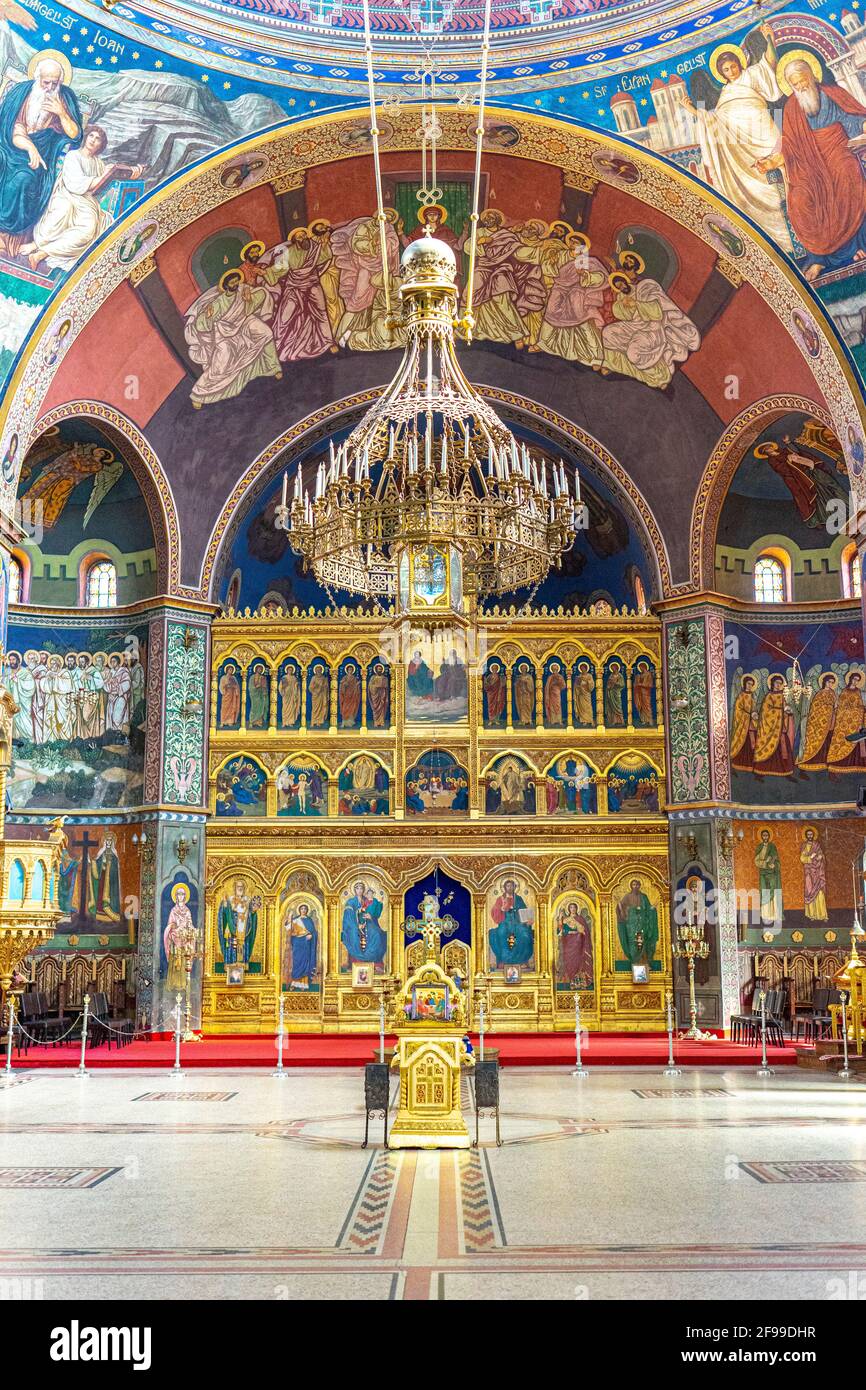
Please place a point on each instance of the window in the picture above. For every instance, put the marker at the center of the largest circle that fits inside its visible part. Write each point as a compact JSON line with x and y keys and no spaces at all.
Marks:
{"x":769,"y":580}
{"x":101,"y":590}
{"x":852,"y":577}
{"x":16,"y":581}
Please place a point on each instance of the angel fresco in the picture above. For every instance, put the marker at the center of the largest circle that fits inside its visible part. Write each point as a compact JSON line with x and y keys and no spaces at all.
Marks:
{"x":785,"y":723}
{"x":55,"y":483}
{"x":736,"y":130}
{"x":815,"y":488}
{"x":645,"y":334}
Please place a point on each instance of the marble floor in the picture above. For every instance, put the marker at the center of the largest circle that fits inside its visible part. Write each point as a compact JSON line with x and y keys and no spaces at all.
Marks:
{"x":628,"y":1184}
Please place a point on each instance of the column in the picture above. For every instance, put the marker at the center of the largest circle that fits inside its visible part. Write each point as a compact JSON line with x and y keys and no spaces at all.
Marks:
{"x":176,"y":788}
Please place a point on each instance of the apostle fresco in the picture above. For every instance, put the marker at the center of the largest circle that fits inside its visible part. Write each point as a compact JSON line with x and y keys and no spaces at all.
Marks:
{"x":230,"y":697}
{"x":40,"y":119}
{"x":301,"y":326}
{"x":74,"y":217}
{"x":512,"y":939}
{"x":843,"y":754}
{"x":826,"y":188}
{"x":289,"y":687}
{"x":769,"y":867}
{"x":228,"y":331}
{"x":643,"y":694}
{"x":814,"y":877}
{"x":258,"y":696}
{"x":179,"y":939}
{"x":361,"y":932}
{"x":555,"y":695}
{"x":813,"y":487}
{"x":614,"y":696}
{"x":774,"y":736}
{"x":573,"y":315}
{"x":573,"y":926}
{"x":510,"y":788}
{"x":495,"y":684}
{"x":637,"y":925}
{"x":523,"y":694}
{"x":736,"y":130}
{"x":379,"y":696}
{"x":238,"y":924}
{"x":583,"y":690}
{"x":349,"y":697}
{"x":319,"y":696}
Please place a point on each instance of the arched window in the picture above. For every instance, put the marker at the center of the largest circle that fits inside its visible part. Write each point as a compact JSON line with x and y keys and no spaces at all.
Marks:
{"x":770,"y":580}
{"x":852,"y":577}
{"x":16,"y":580}
{"x":100,"y":589}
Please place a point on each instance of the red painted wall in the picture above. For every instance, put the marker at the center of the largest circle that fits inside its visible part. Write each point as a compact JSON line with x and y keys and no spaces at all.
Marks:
{"x":611,"y":210}
{"x":119,"y":342}
{"x":255,"y":211}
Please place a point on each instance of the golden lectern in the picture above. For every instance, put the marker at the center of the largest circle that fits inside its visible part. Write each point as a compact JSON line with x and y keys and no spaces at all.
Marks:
{"x":429,"y":1018}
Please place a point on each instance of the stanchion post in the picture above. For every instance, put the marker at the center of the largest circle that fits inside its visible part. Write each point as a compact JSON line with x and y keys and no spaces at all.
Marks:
{"x":671,"y":1069}
{"x":580,"y":1069}
{"x":82,"y":1069}
{"x":280,"y":1071}
{"x":763,"y":1069}
{"x":176,"y":1071}
{"x":10,"y":1029}
{"x":381,"y":1027}
{"x":845,"y":1073}
{"x":481,"y":1031}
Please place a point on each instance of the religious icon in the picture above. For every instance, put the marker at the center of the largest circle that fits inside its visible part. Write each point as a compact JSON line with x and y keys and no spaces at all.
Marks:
{"x":555,"y":695}
{"x":302,"y":790}
{"x":364,"y":787}
{"x":511,"y":974}
{"x":241,"y":788}
{"x":229,"y":714}
{"x":614,"y":695}
{"x":104,"y":895}
{"x":349,"y":696}
{"x":644,"y":693}
{"x":180,"y":939}
{"x":633,"y":786}
{"x":571,"y":787}
{"x":379,"y":696}
{"x":237,"y":925}
{"x":363,"y":976}
{"x":584,"y":689}
{"x":362,"y":934}
{"x":512,"y":937}
{"x":258,"y":696}
{"x":814,"y":877}
{"x":769,"y":866}
{"x":510,"y":788}
{"x":319,"y":696}
{"x":300,"y":944}
{"x":573,"y":927}
{"x":437,"y":785}
{"x":523,"y":695}
{"x":637,"y":925}
{"x":289,"y":689}
{"x":432,"y":924}
{"x":495,"y":686}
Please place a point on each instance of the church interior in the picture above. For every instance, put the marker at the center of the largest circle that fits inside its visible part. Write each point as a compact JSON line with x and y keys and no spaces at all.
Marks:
{"x":432,"y":678}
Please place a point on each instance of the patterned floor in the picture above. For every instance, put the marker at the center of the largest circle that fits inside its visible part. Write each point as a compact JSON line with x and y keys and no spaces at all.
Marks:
{"x":592,"y":1195}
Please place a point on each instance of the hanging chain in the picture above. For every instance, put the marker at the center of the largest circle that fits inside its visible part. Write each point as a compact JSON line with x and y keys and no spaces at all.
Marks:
{"x":468,"y":322}
{"x":374,"y":135}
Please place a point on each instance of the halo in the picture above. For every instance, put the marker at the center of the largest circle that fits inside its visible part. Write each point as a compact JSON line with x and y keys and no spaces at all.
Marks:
{"x":716,"y":55}
{"x":225,"y":275}
{"x":618,"y":275}
{"x":760,"y":450}
{"x":176,"y":889}
{"x":59,"y":58}
{"x":803,"y":55}
{"x":635,"y":257}
{"x":432,"y":207}
{"x":252,"y":246}
{"x":581,"y":237}
{"x":558,"y":222}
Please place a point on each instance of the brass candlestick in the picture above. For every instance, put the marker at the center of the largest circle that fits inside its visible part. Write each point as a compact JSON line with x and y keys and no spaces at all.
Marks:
{"x":190,"y":947}
{"x":692,"y":946}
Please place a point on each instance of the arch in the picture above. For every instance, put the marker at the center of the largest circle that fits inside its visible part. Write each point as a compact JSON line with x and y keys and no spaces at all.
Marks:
{"x":852,"y":571}
{"x":240,"y":784}
{"x":719,"y":472}
{"x":342,"y":415}
{"x":19,"y":585}
{"x":15,"y":886}
{"x":97,"y":580}
{"x":143,"y":463}
{"x":302,"y":781}
{"x":364,"y":785}
{"x":38,"y":881}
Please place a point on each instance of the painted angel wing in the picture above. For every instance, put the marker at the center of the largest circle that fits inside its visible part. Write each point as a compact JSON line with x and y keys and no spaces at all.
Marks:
{"x":703,"y":90}
{"x":102,"y":485}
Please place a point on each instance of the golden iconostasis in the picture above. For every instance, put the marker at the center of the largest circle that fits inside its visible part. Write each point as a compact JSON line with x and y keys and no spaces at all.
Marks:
{"x":509,"y":765}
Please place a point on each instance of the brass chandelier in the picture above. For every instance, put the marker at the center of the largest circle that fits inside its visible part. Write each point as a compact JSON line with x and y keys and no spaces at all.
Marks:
{"x":431,"y":470}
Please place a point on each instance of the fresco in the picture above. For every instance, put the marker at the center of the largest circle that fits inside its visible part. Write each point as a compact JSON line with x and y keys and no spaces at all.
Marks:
{"x":241,"y":788}
{"x":637,"y":924}
{"x":571,"y":787}
{"x":79,"y":730}
{"x":364,"y":924}
{"x":510,"y":787}
{"x":302,"y":790}
{"x":364,"y":787}
{"x":796,"y":695}
{"x":633,"y":785}
{"x":301,"y":954}
{"x":437,"y":682}
{"x":100,"y":880}
{"x":795,"y":878}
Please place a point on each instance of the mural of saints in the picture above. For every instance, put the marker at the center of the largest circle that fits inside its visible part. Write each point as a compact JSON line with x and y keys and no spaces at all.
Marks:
{"x":570,"y":787}
{"x":258,"y":696}
{"x":362,"y":934}
{"x":644,"y":694}
{"x":555,"y":696}
{"x":300,"y":944}
{"x":302,"y":791}
{"x":349,"y":696}
{"x":614,"y":696}
{"x":573,"y":927}
{"x":637,"y":926}
{"x":523,"y":694}
{"x":510,"y":788}
{"x":289,"y":688}
{"x":103,"y":886}
{"x":769,"y":867}
{"x":319,"y":696}
{"x":512,"y":937}
{"x":238,"y":924}
{"x":179,"y":939}
{"x":495,"y":685}
{"x":814,"y":877}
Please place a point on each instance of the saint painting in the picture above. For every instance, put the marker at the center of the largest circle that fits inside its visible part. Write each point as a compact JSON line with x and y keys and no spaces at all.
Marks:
{"x":637,"y":926}
{"x":510,"y":788}
{"x":302,"y":790}
{"x":774,"y":736}
{"x":523,"y":695}
{"x":40,"y":119}
{"x":349,"y":696}
{"x":571,"y":787}
{"x":643,"y":694}
{"x":362,"y":933}
{"x":229,"y":690}
{"x":258,"y":696}
{"x":845,"y":754}
{"x":614,"y":695}
{"x":495,"y":689}
{"x":573,"y":927}
{"x":300,"y":945}
{"x":584,"y":695}
{"x":364,"y":788}
{"x":437,"y":682}
{"x":437,"y":785}
{"x":769,"y":867}
{"x":512,"y":938}
{"x":238,"y":924}
{"x":379,"y":696}
{"x":241,"y":788}
{"x":103,"y":886}
{"x":744,"y":725}
{"x":814,"y":877}
{"x":179,"y":939}
{"x":289,"y":691}
{"x":318,"y":696}
{"x":820,"y":722}
{"x":555,"y":698}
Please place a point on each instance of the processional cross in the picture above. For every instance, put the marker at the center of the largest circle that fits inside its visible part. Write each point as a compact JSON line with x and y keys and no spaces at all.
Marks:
{"x":431,"y":925}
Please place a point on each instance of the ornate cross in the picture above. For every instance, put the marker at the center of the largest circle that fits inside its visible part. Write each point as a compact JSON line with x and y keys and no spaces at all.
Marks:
{"x":431,"y":926}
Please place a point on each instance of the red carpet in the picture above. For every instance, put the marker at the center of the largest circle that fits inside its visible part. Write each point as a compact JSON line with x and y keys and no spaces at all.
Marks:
{"x":515,"y":1050}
